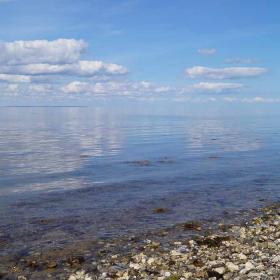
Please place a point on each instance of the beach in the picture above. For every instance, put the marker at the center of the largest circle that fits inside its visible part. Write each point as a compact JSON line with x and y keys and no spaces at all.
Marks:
{"x":249,"y":249}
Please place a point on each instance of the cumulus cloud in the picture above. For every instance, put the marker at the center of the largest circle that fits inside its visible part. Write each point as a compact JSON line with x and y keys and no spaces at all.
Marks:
{"x":210,"y":51}
{"x":230,"y":99}
{"x":12,"y":88}
{"x":26,"y":61}
{"x":81,"y":68}
{"x":214,"y":87}
{"x":59,"y":51}
{"x":113,"y":87}
{"x":240,"y":60}
{"x":47,"y":65}
{"x":224,"y":73}
{"x":256,"y":99}
{"x":9,"y":89}
{"x":40,"y":88}
{"x":15,"y":78}
{"x":259,"y":99}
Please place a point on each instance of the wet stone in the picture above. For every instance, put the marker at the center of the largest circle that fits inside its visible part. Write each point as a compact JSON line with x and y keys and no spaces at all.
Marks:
{"x":140,"y":162}
{"x":160,"y":210}
{"x":44,"y":221}
{"x":212,"y":273}
{"x":76,"y":260}
{"x":213,"y":241}
{"x":51,"y":265}
{"x":33,"y":264}
{"x":192,"y":226}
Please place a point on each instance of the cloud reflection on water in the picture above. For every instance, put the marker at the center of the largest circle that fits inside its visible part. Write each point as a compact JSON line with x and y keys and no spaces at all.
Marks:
{"x":66,"y":148}
{"x":222,"y":136}
{"x":43,"y":142}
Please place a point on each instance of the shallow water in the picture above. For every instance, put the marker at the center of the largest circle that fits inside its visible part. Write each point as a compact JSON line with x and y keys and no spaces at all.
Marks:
{"x":67,"y":174}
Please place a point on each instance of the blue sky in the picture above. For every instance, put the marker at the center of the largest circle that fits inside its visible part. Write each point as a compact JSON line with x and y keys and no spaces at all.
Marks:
{"x":181,"y":51}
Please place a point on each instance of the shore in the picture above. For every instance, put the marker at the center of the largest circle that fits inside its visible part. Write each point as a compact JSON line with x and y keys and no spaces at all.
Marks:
{"x":193,"y":250}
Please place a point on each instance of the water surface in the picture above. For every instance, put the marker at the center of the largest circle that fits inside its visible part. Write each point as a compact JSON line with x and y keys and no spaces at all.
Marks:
{"x":70,"y":173}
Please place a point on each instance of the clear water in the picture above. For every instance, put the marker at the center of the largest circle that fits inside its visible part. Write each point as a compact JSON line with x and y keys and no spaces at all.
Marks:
{"x":71,"y":173}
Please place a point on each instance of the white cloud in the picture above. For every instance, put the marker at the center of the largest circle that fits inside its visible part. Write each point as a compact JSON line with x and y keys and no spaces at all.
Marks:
{"x":224,"y":73}
{"x":9,"y":89}
{"x":256,"y":99}
{"x":240,"y":60}
{"x":12,"y":88}
{"x":60,"y":51}
{"x":15,"y":78}
{"x":40,"y":88}
{"x":81,"y":68}
{"x":77,"y":87}
{"x":214,"y":87}
{"x":210,"y":51}
{"x":42,"y":67}
{"x":259,"y":99}
{"x":48,"y":64}
{"x":230,"y":99}
{"x":113,"y":87}
{"x":23,"y":61}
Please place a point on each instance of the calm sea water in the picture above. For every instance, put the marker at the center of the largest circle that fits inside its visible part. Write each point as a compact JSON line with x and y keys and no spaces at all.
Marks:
{"x":73,"y":172}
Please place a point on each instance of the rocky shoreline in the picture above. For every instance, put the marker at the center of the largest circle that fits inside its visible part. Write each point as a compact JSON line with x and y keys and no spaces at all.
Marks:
{"x":250,"y":250}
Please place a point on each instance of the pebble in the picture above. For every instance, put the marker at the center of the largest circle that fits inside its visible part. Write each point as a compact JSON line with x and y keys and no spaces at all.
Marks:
{"x":220,"y":270}
{"x":241,"y":256}
{"x":52,"y":264}
{"x":250,"y":251}
{"x":276,"y":260}
{"x":249,"y":266}
{"x":21,"y":277}
{"x":232,"y":267}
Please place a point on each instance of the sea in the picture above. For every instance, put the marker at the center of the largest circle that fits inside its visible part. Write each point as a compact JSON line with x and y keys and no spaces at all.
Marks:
{"x":69,"y":173}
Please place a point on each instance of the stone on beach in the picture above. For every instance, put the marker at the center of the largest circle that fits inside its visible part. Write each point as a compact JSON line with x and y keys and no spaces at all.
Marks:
{"x":250,"y":251}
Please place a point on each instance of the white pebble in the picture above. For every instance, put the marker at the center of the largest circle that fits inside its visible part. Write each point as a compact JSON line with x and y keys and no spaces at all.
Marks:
{"x":249,"y":266}
{"x":220,"y":270}
{"x":232,"y":267}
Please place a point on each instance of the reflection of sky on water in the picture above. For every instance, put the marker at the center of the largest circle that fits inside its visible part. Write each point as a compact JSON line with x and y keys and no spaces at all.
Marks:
{"x":47,"y":141}
{"x":66,"y":148}
{"x":228,"y":137}
{"x":86,"y":165}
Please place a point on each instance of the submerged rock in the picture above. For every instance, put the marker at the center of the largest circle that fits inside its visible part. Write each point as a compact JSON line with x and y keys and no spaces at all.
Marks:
{"x":75,"y":260}
{"x":141,"y":162}
{"x":192,"y":226}
{"x":51,"y":265}
{"x":160,"y":210}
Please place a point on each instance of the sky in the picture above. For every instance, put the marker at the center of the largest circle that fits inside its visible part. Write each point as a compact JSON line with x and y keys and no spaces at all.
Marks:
{"x":196,"y":53}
